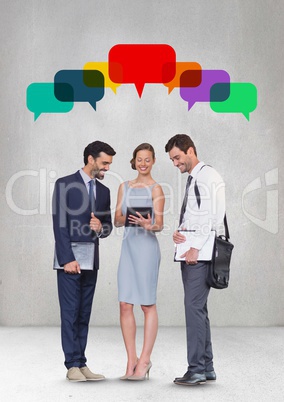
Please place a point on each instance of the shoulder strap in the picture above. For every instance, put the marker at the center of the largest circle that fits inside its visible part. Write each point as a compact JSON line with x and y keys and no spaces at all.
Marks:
{"x":196,"y":191}
{"x":198,"y":200}
{"x":227,"y":235}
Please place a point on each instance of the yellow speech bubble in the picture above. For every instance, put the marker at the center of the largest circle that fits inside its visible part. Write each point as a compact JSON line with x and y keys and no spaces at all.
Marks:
{"x":102,"y":66}
{"x":182,"y":66}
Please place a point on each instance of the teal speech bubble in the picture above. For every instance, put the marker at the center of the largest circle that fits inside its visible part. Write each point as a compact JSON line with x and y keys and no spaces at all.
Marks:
{"x":41,"y":99}
{"x":242,"y":99}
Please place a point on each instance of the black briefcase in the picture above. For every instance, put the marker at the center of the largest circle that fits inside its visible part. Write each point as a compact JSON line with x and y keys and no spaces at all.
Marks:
{"x":219,"y":269}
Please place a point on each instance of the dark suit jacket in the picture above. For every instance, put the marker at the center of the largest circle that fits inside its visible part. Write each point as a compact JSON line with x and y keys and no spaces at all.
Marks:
{"x":72,"y":213}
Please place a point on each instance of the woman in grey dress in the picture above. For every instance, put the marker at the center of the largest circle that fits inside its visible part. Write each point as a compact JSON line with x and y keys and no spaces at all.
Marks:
{"x":140,"y":258}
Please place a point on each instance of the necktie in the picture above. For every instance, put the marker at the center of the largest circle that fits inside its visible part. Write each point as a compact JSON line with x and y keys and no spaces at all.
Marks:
{"x":91,"y":195}
{"x":183,"y":207}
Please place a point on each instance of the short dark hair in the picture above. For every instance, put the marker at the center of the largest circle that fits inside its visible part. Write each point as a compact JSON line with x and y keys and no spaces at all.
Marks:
{"x":181,"y":141}
{"x":141,"y":147}
{"x":95,"y":148}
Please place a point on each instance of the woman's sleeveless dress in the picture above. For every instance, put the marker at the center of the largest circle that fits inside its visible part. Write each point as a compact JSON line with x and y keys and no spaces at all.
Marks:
{"x":140,"y":254}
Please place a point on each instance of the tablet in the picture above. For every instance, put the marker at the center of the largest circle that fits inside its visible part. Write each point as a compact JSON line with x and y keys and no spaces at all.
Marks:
{"x":144,"y":211}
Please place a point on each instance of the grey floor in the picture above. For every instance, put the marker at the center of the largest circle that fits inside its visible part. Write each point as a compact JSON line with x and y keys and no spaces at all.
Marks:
{"x":249,"y":363}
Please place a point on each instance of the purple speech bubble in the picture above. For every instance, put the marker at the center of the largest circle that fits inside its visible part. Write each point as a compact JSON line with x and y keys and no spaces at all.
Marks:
{"x":202,"y":92}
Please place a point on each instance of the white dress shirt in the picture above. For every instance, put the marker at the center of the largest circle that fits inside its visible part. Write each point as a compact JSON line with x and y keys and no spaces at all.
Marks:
{"x":209,"y":216}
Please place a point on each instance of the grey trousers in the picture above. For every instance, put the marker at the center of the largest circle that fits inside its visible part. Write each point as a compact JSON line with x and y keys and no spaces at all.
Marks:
{"x":196,"y":291}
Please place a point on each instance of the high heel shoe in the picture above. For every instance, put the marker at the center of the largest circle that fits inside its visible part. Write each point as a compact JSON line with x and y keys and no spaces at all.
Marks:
{"x":143,"y":377}
{"x":125,"y":376}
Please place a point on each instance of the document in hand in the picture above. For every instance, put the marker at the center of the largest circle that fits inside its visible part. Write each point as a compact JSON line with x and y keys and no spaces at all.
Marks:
{"x":205,"y":254}
{"x":84,"y":253}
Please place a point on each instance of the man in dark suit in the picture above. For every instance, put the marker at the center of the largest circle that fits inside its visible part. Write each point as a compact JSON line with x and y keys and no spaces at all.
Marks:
{"x":81,"y":213}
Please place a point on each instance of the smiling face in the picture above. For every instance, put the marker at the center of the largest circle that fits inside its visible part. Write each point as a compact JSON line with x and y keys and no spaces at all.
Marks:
{"x":144,"y":161}
{"x":185,"y":162}
{"x":97,"y":167}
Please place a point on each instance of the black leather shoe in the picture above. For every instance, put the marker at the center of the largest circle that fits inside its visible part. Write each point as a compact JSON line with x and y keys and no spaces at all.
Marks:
{"x":187,"y":374}
{"x":191,"y":379}
{"x":210,"y":375}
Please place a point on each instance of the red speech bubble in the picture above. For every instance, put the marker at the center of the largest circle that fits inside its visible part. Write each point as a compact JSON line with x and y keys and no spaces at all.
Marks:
{"x":141,"y":64}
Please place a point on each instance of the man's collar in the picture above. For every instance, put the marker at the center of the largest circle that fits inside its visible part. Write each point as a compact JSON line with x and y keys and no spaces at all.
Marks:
{"x":196,"y":169}
{"x":86,"y":177}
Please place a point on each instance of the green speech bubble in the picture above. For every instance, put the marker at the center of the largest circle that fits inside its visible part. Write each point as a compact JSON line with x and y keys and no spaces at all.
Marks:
{"x":41,"y":99}
{"x":242,"y":99}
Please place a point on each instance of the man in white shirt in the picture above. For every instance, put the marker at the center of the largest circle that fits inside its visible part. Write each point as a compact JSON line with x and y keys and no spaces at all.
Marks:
{"x":202,"y":211}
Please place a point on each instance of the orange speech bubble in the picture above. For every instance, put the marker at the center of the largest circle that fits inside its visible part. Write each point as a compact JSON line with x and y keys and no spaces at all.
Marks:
{"x":193,"y":73}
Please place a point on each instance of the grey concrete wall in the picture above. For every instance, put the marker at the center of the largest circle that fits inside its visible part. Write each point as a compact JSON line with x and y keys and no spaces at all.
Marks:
{"x":244,"y":38}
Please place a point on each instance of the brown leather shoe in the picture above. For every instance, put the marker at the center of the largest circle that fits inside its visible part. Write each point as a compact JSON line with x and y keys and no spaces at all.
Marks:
{"x":74,"y":374}
{"x":91,"y":376}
